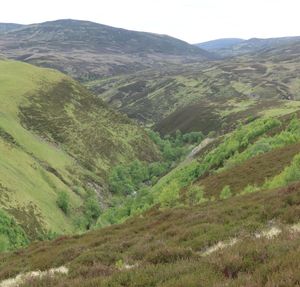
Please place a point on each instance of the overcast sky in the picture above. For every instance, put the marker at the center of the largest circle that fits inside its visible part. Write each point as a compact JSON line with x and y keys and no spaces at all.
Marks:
{"x":190,"y":20}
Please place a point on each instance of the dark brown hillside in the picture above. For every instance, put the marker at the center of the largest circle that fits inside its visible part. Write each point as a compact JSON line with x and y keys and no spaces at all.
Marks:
{"x":87,"y":50}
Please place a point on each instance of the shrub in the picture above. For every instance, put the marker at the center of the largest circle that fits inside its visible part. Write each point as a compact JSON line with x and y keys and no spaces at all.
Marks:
{"x":226,"y":192}
{"x":120,"y":264}
{"x":169,"y":195}
{"x":91,"y":210}
{"x":157,"y":169}
{"x":63,"y":201}
{"x":290,"y":174}
{"x":4,"y":243}
{"x":125,"y":179}
{"x":249,"y":189}
{"x":11,"y":234}
{"x":193,"y":137}
{"x":196,"y":194}
{"x":167,"y":254}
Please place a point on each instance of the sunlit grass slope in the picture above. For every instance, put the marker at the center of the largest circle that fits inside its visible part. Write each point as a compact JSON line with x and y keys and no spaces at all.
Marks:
{"x":55,"y":136}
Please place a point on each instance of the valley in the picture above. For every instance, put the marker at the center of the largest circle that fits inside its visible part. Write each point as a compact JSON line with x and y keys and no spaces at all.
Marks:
{"x":137,"y":159}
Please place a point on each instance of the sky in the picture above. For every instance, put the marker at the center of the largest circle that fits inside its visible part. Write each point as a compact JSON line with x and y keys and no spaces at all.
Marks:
{"x":194,"y":21}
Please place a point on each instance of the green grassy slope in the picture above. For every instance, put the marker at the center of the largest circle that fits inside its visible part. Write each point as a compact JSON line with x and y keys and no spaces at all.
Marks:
{"x":55,"y":136}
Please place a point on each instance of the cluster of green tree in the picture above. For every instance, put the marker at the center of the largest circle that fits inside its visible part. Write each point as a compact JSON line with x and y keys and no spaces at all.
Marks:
{"x":173,"y":147}
{"x":125,"y":179}
{"x":167,"y":191}
{"x":238,"y":141}
{"x":132,"y":183}
{"x":11,"y":234}
{"x":265,"y":144}
{"x":124,"y":207}
{"x":90,"y":209}
{"x":290,"y":174}
{"x":233,"y":143}
{"x":128,"y":178}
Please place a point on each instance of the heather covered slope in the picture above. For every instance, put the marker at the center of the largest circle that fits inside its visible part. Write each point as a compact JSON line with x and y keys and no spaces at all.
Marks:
{"x":57,"y":137}
{"x":87,"y":50}
{"x":258,"y":233}
{"x":208,"y":96}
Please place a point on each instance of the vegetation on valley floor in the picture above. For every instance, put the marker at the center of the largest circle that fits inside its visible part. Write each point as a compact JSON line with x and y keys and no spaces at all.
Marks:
{"x":132,"y":183}
{"x":181,"y":185}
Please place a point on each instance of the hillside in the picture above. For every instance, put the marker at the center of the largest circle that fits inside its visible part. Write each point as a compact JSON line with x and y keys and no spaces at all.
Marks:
{"x":167,"y":166}
{"x":219,"y":44}
{"x":5,"y":27}
{"x":208,"y":96}
{"x":229,"y":48}
{"x":243,"y":233}
{"x":88,"y":50}
{"x":56,"y":137}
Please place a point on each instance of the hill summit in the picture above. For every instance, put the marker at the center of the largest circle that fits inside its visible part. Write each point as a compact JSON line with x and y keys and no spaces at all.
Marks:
{"x":85,"y":49}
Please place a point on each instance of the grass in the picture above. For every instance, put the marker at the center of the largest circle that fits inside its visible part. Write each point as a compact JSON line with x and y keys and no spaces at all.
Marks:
{"x":57,"y":137}
{"x":27,"y":185}
{"x":287,"y":108}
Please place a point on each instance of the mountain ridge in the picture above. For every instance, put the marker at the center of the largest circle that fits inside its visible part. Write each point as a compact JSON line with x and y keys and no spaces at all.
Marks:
{"x":96,"y":49}
{"x":240,"y":47}
{"x":219,"y":43}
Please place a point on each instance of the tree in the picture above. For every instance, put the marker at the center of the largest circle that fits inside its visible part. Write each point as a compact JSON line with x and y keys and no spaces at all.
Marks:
{"x":193,"y":137}
{"x":196,"y":194}
{"x":169,"y":195}
{"x":63,"y":201}
{"x":91,"y":210}
{"x":138,"y":172}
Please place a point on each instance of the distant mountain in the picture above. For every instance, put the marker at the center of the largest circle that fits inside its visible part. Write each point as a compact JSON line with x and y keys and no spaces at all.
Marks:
{"x":237,"y":47}
{"x":89,"y":50}
{"x":219,"y":44}
{"x":4,"y":27}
